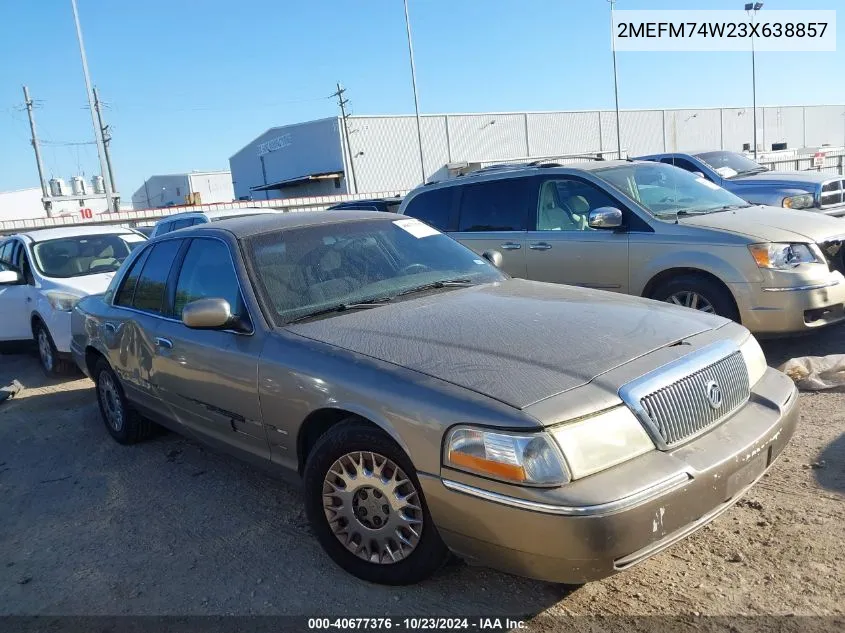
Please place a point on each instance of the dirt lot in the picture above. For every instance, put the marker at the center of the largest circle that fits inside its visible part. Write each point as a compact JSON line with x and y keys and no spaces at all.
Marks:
{"x":88,"y":527}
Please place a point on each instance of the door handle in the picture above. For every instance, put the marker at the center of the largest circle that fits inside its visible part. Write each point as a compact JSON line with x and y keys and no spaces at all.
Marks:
{"x":165,"y":343}
{"x":540,"y":246}
{"x":511,"y":246}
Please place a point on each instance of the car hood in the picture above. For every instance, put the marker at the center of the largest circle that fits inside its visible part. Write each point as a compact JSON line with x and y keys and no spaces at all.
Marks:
{"x":771,"y":224}
{"x":806,"y":179}
{"x":516,"y":341}
{"x":85,"y":285}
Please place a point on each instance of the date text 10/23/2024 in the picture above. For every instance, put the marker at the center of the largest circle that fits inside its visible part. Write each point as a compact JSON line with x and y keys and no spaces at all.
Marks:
{"x":416,"y":624}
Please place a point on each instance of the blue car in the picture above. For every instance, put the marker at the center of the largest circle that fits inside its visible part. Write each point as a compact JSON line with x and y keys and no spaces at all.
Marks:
{"x":804,"y":190}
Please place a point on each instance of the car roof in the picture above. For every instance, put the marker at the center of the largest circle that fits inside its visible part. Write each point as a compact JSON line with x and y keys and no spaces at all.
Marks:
{"x":252,"y":225}
{"x":222,"y":213}
{"x":42,"y":235}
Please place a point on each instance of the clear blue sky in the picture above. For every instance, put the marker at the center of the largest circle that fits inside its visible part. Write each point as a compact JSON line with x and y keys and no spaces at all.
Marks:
{"x":189,"y":82}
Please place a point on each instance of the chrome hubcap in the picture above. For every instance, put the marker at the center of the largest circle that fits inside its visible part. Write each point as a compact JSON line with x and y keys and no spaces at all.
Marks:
{"x":44,"y":350}
{"x":690,"y":299}
{"x":372,"y":507}
{"x":110,"y":400}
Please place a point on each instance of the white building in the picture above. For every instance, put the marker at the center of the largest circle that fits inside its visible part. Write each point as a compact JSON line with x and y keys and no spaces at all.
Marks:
{"x":26,"y":203}
{"x":312,"y":158}
{"x":169,"y":190}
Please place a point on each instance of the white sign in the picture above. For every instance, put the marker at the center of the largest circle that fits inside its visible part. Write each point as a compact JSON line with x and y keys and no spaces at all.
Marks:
{"x":272,"y":145}
{"x":416,"y":228}
{"x":818,"y":159}
{"x":732,"y":30}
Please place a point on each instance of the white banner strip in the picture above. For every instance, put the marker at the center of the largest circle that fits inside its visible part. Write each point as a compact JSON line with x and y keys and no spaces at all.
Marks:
{"x":800,"y":30}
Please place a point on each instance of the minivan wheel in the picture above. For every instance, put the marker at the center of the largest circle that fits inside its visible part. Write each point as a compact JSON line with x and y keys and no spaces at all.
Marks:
{"x":367,"y":509}
{"x":47,"y":353}
{"x":698,"y":293}
{"x":122,"y":422}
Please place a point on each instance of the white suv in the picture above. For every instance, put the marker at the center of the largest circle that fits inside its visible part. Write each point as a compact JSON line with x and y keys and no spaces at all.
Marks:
{"x":44,"y":273}
{"x":184,"y":220}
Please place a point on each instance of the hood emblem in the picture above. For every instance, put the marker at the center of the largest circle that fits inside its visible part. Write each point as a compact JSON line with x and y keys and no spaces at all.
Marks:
{"x":713,"y":392}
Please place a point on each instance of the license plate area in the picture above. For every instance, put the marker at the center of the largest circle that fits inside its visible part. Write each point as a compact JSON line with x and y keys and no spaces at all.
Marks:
{"x":748,"y":474}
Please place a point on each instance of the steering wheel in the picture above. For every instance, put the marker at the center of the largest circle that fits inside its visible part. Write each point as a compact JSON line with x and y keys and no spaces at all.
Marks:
{"x":414,"y":268}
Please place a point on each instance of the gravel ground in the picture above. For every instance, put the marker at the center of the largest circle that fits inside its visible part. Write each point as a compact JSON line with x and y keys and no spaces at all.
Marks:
{"x":167,"y":527}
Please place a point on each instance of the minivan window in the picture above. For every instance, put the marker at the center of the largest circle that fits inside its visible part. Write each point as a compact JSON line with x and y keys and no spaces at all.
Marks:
{"x":564,"y":204}
{"x":150,"y":292}
{"x":207,"y":272}
{"x":667,"y":191}
{"x":432,"y":207}
{"x":495,"y":205}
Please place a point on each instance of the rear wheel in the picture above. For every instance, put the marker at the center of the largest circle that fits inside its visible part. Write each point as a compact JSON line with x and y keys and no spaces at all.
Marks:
{"x":122,"y":422}
{"x":366,"y":507}
{"x":698,"y":293}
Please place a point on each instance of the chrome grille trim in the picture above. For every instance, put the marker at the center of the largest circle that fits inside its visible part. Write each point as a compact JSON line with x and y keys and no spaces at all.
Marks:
{"x":832,"y":193}
{"x":671,"y":401}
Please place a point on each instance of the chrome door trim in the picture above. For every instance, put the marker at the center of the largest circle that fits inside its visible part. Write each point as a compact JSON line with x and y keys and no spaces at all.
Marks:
{"x":511,"y":246}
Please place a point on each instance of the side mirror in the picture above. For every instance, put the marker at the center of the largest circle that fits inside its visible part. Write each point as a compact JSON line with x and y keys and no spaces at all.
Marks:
{"x":605,"y":218}
{"x":699,"y":174}
{"x":208,"y":314}
{"x":494,"y":257}
{"x":9,"y":277}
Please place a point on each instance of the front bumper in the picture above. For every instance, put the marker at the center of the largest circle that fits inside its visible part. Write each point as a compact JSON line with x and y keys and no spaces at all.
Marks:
{"x":58,"y":324}
{"x":766,"y":309}
{"x":535,"y":533}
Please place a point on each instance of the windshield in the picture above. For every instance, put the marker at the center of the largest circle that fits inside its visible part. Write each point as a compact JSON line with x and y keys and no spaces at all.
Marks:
{"x":302,"y":271}
{"x":668,"y":191}
{"x":730,"y":164}
{"x":84,"y":254}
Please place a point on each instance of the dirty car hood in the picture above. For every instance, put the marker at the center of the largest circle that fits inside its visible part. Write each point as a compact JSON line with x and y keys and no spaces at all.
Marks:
{"x":772,"y":224}
{"x":516,"y":341}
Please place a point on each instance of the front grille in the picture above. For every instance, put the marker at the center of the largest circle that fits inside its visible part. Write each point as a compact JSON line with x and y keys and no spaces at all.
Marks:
{"x":833,"y":194}
{"x":833,"y":253}
{"x":681,"y":410}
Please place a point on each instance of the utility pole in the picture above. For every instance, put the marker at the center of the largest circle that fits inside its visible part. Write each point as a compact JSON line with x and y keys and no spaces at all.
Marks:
{"x":98,"y":137}
{"x":104,"y":130}
{"x":751,"y":9}
{"x":615,"y":81}
{"x":44,"y":191}
{"x":414,"y":84}
{"x":342,"y":103}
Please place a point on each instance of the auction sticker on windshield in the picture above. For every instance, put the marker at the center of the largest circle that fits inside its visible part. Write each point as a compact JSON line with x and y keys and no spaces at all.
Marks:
{"x":416,"y":228}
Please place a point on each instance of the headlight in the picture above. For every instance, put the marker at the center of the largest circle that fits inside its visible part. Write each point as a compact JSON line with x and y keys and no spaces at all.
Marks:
{"x":803,"y":201}
{"x":601,"y":441}
{"x":782,"y":256}
{"x":62,"y":301}
{"x":531,"y":459}
{"x":754,"y":358}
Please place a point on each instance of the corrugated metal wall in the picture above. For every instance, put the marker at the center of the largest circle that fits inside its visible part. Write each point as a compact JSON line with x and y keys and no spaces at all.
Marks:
{"x":385,"y":150}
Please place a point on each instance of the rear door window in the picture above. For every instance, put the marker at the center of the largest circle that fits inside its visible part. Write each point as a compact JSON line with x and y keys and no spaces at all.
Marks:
{"x":150,"y":292}
{"x":130,"y":282}
{"x":495,"y":205}
{"x":432,"y":207}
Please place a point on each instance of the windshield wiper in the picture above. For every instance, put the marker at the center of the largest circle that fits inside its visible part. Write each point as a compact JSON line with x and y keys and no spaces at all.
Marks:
{"x":443,"y":283}
{"x":749,"y":172}
{"x":343,"y":307}
{"x":708,"y":210}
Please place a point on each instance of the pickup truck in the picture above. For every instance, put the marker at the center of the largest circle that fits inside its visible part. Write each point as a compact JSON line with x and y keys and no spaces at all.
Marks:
{"x":818,"y":191}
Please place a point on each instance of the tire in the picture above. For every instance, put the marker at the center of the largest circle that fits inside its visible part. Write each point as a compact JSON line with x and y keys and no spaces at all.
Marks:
{"x":680,"y":290}
{"x":123,"y":423}
{"x":47,"y":353}
{"x":399,"y":563}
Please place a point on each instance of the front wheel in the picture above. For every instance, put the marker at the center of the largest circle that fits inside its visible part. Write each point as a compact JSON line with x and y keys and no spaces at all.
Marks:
{"x":366,"y":507}
{"x":47,"y":353}
{"x":698,"y":293}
